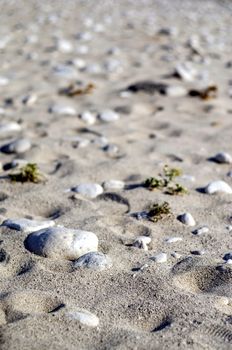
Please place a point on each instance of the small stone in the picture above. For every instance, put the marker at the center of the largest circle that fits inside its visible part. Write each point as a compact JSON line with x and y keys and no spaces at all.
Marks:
{"x":90,"y":190}
{"x":88,"y":117}
{"x":66,"y":72}
{"x":175,"y":91}
{"x":84,"y":36}
{"x":160,"y":258}
{"x":173,"y":239}
{"x":93,"y":260}
{"x":61,"y":243}
{"x":227,"y":256}
{"x":201,"y":230}
{"x":113,"y":185}
{"x":64,"y":46}
{"x":79,"y":63}
{"x":27,"y":225}
{"x":187,"y":219}
{"x":185,"y":72}
{"x":142,"y":242}
{"x":229,"y":173}
{"x":9,"y":127}
{"x":63,"y":110}
{"x":198,"y":252}
{"x":223,"y":158}
{"x":218,"y":186}
{"x":29,"y":100}
{"x":18,"y":146}
{"x":108,"y":116}
{"x":82,"y":49}
{"x":83,"y":316}
{"x":176,"y":255}
{"x":4,"y":81}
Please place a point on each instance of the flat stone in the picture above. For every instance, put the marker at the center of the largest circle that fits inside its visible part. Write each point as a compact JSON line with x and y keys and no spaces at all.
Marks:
{"x":94,"y":261}
{"x":27,"y":225}
{"x":90,"y":190}
{"x":84,"y":317}
{"x":18,"y":146}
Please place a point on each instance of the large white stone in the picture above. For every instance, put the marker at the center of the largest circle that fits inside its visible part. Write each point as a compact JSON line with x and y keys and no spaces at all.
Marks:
{"x":218,"y":186}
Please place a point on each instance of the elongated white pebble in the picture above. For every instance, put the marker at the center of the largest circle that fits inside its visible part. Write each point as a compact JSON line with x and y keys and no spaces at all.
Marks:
{"x":63,"y":110}
{"x":9,"y":127}
{"x":114,"y":185}
{"x":218,"y":186}
{"x":173,"y":239}
{"x":83,"y":316}
{"x":201,"y":230}
{"x":160,"y":258}
{"x":109,"y":116}
{"x":187,"y":219}
{"x":27,"y":225}
{"x":90,"y":190}
{"x":61,"y":243}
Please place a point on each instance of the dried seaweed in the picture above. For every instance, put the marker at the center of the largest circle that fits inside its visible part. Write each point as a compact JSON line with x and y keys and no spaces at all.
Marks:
{"x":28,"y":173}
{"x":208,"y":93}
{"x":159,"y":211}
{"x":72,"y":90}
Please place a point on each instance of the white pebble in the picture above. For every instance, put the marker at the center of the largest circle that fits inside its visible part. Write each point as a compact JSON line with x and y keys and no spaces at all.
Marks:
{"x":64,"y":46}
{"x":90,"y":190}
{"x":218,"y":186}
{"x":160,"y":258}
{"x":175,"y":91}
{"x":79,"y":63}
{"x":223,"y":157}
{"x":83,"y":316}
{"x":108,"y":116}
{"x":61,"y":243}
{"x":186,"y":72}
{"x":27,"y":225}
{"x":64,"y":71}
{"x":201,"y":230}
{"x":4,"y":81}
{"x":29,"y":100}
{"x":173,"y":239}
{"x":88,"y":117}
{"x":18,"y":146}
{"x":142,"y":242}
{"x":187,"y":219}
{"x":9,"y":127}
{"x":93,"y":260}
{"x":113,"y":185}
{"x":63,"y":110}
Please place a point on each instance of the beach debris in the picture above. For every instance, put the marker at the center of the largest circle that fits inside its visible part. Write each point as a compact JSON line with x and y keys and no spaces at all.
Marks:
{"x":108,"y":116}
{"x":73,"y":90}
{"x":222,"y":158}
{"x":113,"y":185}
{"x":142,"y":242}
{"x":147,"y":86}
{"x":90,"y":190}
{"x":61,"y":243}
{"x":207,"y":93}
{"x":94,"y":261}
{"x":218,"y":186}
{"x":186,"y":219}
{"x":83,"y":316}
{"x":160,"y":258}
{"x":173,"y":239}
{"x":26,"y":225}
{"x":159,"y":211}
{"x":29,"y":173}
{"x":17,"y":146}
{"x":201,"y":230}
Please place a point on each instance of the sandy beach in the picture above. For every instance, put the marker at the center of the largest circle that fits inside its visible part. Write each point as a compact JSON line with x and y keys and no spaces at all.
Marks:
{"x":116,"y":175}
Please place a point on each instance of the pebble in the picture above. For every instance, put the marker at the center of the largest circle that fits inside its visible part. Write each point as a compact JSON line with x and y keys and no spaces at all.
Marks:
{"x":218,"y":186}
{"x":4,"y":81}
{"x":61,"y":243}
{"x":160,"y":258}
{"x":227,"y":256}
{"x":82,"y":49}
{"x":175,"y":91}
{"x":90,"y":190}
{"x":83,"y":316}
{"x":62,"y":110}
{"x":185,"y":72}
{"x":88,"y":117}
{"x":18,"y":146}
{"x":109,"y":116}
{"x":29,"y":100}
{"x":223,"y":158}
{"x":79,"y":63}
{"x":201,"y":230}
{"x":64,"y":71}
{"x":27,"y":225}
{"x":113,"y":185}
{"x":229,"y":174}
{"x":64,"y":46}
{"x":187,"y":219}
{"x":173,"y":239}
{"x":9,"y":127}
{"x":176,"y":255}
{"x":84,"y":36}
{"x":142,"y":242}
{"x":93,"y":260}
{"x":197,"y":252}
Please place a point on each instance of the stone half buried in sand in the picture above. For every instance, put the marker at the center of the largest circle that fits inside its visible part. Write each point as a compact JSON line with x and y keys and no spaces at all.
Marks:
{"x":61,"y":243}
{"x":218,"y":186}
{"x":83,"y":316}
{"x":94,"y":261}
{"x":27,"y":225}
{"x":90,"y":190}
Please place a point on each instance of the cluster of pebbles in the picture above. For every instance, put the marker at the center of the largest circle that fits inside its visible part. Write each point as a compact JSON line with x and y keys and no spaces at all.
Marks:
{"x":100,"y":112}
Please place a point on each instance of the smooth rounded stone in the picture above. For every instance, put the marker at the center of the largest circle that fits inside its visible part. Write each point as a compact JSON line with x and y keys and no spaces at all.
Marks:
{"x":187,"y":219}
{"x":142,"y":242}
{"x":18,"y":163}
{"x":173,"y":239}
{"x":27,"y":225}
{"x":223,"y":158}
{"x":176,"y":91}
{"x":198,"y":252}
{"x":4,"y":81}
{"x":187,"y":177}
{"x":64,"y":71}
{"x":88,"y":117}
{"x":229,"y":262}
{"x":185,"y":72}
{"x":160,"y":258}
{"x":18,"y":146}
{"x":227,"y":256}
{"x":90,"y":190}
{"x":218,"y":186}
{"x":9,"y":127}
{"x":79,"y":63}
{"x":229,"y":174}
{"x":201,"y":230}
{"x":83,"y":316}
{"x":64,"y":46}
{"x":113,"y":185}
{"x":93,"y":260}
{"x":109,"y":116}
{"x":29,"y":100}
{"x":63,"y":110}
{"x":82,"y":49}
{"x":61,"y":243}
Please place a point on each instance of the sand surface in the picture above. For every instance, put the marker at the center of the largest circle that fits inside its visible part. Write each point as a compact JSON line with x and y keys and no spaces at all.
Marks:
{"x":183,"y":303}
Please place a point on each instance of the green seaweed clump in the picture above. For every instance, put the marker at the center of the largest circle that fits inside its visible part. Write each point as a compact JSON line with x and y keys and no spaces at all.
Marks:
{"x":171,"y":173}
{"x":177,"y":189}
{"x":159,"y":211}
{"x":154,"y":183}
{"x":28,"y":173}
